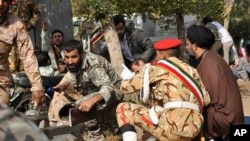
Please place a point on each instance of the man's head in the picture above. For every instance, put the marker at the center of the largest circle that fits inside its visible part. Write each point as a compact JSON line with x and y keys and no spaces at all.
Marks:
{"x":62,"y":66}
{"x":73,"y":52}
{"x":43,"y":58}
{"x":206,"y":20}
{"x":120,"y":27}
{"x":4,"y":6}
{"x":57,"y":37}
{"x":199,"y":39}
{"x":167,"y":47}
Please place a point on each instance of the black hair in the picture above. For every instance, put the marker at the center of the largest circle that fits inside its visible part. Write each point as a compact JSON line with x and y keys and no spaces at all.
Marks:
{"x":200,"y":35}
{"x":206,"y":20}
{"x":56,"y":31}
{"x":42,"y":58}
{"x":73,"y":44}
{"x":136,"y":61}
{"x":119,"y":19}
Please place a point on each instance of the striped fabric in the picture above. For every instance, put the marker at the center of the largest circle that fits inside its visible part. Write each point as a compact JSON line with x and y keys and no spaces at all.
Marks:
{"x":187,"y":79}
{"x":96,"y":35}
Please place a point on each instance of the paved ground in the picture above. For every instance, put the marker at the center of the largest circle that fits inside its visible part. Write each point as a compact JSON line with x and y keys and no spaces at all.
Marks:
{"x":245,"y":94}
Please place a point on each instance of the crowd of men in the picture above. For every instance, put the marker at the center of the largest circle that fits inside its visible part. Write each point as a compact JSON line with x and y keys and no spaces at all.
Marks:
{"x":165,"y":97}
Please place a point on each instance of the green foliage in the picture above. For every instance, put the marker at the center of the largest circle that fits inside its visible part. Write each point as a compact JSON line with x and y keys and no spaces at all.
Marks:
{"x":240,"y":29}
{"x":240,"y":20}
{"x":92,"y":10}
{"x":103,"y":9}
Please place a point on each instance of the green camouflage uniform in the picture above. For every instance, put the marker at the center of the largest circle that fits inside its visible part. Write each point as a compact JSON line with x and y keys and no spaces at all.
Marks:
{"x":97,"y":77}
{"x":165,"y":87}
{"x":16,"y":127}
{"x":29,"y":14}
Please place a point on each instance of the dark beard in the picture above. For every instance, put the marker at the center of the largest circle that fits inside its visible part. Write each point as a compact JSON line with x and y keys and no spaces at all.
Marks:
{"x":77,"y":68}
{"x":3,"y":18}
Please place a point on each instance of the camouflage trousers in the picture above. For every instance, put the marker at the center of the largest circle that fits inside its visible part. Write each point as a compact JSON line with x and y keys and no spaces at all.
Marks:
{"x":138,"y":115}
{"x":15,"y":127}
{"x":15,"y":63}
{"x":105,"y":115}
{"x":58,"y":102}
{"x":4,"y":95}
{"x":4,"y":90}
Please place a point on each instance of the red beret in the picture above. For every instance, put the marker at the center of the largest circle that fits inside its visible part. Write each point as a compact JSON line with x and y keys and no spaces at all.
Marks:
{"x":169,"y":43}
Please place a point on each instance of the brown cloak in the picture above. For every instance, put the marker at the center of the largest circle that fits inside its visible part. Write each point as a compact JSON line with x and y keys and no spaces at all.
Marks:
{"x":226,"y":105}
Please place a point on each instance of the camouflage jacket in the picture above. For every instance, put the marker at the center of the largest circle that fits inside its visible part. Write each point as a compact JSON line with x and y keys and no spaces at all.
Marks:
{"x":12,"y":32}
{"x":26,"y":10}
{"x":97,"y":76}
{"x":165,"y":86}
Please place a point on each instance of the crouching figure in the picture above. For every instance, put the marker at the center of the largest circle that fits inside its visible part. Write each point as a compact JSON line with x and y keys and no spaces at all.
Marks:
{"x":171,"y":96}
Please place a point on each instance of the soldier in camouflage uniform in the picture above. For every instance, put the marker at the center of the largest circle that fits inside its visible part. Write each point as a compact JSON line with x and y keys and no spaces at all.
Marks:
{"x":172,"y":98}
{"x":12,"y":32}
{"x":96,"y":85}
{"x":29,"y":14}
{"x":15,"y":127}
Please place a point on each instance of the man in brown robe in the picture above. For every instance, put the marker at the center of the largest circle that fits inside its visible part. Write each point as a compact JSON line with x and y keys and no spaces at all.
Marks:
{"x":226,"y":105}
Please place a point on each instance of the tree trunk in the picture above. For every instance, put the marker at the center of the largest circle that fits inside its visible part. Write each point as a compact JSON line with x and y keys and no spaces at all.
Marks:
{"x":114,"y":48}
{"x":228,"y":8}
{"x":181,"y":35}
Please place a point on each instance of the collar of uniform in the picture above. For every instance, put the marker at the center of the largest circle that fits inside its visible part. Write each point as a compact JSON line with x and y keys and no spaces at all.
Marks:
{"x":172,"y":58}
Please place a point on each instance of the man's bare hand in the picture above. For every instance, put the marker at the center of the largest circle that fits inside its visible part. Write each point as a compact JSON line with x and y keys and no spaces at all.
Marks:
{"x":87,"y":104}
{"x":38,"y":98}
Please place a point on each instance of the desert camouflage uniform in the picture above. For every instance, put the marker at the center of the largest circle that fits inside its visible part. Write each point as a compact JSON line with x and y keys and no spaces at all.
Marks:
{"x":29,"y":14}
{"x":12,"y":32}
{"x":15,"y":127}
{"x":174,"y":123}
{"x":96,"y":77}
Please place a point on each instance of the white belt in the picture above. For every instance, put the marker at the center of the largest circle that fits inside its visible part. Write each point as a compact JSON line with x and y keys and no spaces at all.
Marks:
{"x":173,"y":104}
{"x":181,"y":104}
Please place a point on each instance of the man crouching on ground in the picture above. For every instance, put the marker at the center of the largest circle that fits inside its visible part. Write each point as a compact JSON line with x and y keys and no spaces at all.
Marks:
{"x":172,"y":98}
{"x":95,"y":85}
